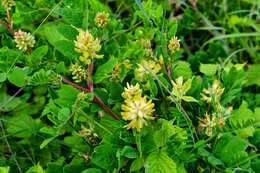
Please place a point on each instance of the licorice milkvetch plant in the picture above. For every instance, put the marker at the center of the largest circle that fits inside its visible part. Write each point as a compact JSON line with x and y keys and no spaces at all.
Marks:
{"x":151,"y":86}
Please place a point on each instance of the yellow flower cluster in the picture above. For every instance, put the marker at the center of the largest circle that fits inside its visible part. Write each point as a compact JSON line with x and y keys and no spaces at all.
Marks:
{"x":101,"y":19}
{"x":24,"y":40}
{"x":78,"y":73}
{"x":174,"y":45}
{"x":136,"y":108}
{"x":147,"y":47}
{"x":87,"y":45}
{"x":146,"y":67}
{"x":208,"y":124}
{"x":213,"y":94}
{"x":8,"y":4}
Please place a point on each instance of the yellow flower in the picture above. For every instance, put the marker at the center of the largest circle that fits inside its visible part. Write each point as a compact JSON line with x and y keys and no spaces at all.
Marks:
{"x":101,"y":19}
{"x":8,"y":4}
{"x":174,"y":45}
{"x":132,"y":91}
{"x":213,"y":93}
{"x":87,"y":45}
{"x":208,"y":124}
{"x":78,"y":72}
{"x":24,"y":40}
{"x":145,"y":68}
{"x":136,"y":108}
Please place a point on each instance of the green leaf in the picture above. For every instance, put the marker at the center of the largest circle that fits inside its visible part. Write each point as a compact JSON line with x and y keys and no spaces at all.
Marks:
{"x":241,"y":117}
{"x":129,"y":152}
{"x":22,"y":126}
{"x":153,"y":86}
{"x":17,"y":77}
{"x":231,"y":149}
{"x":186,"y":86}
{"x":136,"y":165}
{"x":189,"y":99}
{"x":104,"y":70}
{"x":105,"y":156}
{"x":162,"y":136}
{"x":182,"y":68}
{"x":3,"y":77}
{"x":253,"y":75}
{"x":173,"y":26}
{"x":46,"y":142}
{"x":166,"y":131}
{"x":38,"y":54}
{"x":160,"y":162}
{"x":92,"y":170}
{"x":208,"y":69}
{"x":63,"y":114}
{"x":4,"y":169}
{"x":35,"y":169}
{"x":66,"y":48}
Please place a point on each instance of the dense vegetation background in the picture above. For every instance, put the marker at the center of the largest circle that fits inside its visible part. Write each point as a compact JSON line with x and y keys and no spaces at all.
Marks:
{"x":130,"y":86}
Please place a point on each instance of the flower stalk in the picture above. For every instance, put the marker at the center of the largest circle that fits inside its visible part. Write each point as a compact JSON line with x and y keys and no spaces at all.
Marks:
{"x":95,"y":100}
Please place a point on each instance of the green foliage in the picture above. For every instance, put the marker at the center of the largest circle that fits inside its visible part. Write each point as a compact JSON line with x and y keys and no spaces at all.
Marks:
{"x":200,"y":86}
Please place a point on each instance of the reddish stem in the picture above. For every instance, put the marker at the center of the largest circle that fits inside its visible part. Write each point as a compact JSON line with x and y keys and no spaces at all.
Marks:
{"x":9,"y":24}
{"x":96,"y":98}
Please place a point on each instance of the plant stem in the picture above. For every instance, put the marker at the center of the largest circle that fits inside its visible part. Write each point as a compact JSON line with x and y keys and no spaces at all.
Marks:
{"x":90,"y":72}
{"x":96,"y":98}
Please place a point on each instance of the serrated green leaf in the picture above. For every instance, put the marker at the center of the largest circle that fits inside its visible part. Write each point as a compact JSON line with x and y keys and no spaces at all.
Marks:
{"x":160,"y":162}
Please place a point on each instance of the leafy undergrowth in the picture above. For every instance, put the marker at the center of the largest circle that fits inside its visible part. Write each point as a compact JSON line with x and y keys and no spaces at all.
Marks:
{"x":129,"y":86}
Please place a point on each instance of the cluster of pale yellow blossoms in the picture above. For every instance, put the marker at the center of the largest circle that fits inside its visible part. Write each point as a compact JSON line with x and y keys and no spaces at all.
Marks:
{"x":136,"y":108}
{"x":8,"y":4}
{"x":79,"y":74}
{"x":87,"y":46}
{"x":147,"y":47}
{"x":145,"y":68}
{"x":174,"y":45}
{"x":101,"y":19}
{"x":24,"y":40}
{"x":212,"y":96}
